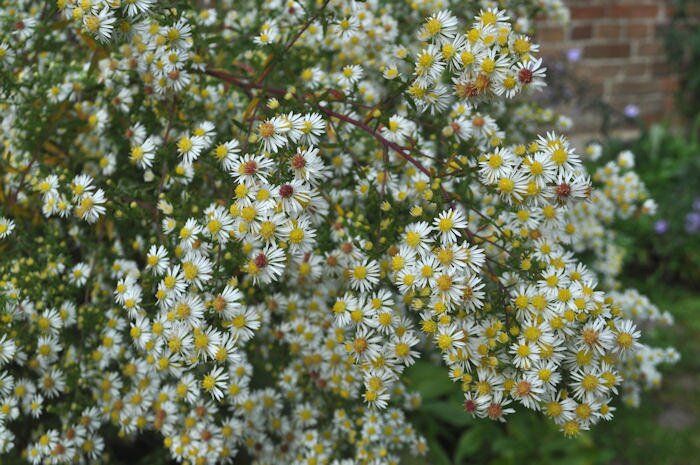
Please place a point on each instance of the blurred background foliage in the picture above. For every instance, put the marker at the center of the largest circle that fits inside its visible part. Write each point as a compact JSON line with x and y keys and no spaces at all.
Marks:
{"x":683,"y":48}
{"x":666,"y":248}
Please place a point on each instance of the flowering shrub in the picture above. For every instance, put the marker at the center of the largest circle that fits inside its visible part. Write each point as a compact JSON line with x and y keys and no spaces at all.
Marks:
{"x":237,"y":226}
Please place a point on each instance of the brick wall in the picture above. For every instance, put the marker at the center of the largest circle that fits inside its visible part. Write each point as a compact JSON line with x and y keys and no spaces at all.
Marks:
{"x":620,"y":44}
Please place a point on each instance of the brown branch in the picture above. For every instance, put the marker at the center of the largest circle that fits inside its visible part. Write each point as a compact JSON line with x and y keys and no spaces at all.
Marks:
{"x":384,"y":141}
{"x":271,"y":62}
{"x":247,"y":85}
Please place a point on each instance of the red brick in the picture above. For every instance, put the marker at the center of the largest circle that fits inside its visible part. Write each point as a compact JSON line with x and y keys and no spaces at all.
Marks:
{"x":587,"y":12}
{"x":645,"y":87}
{"x":633,"y":11}
{"x":693,"y":9}
{"x":607,"y":51}
{"x":623,"y":59}
{"x":635,"y":69}
{"x":669,"y":84}
{"x":608,"y":31}
{"x":661,"y":68}
{"x":600,"y":72}
{"x":635,"y":31}
{"x":552,"y":34}
{"x":582,"y":32}
{"x":649,"y":49}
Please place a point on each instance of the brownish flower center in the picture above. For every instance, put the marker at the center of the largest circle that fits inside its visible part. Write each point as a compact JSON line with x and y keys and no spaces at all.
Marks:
{"x":286,"y":191}
{"x":266,"y":130}
{"x":298,"y":162}
{"x":525,"y":76}
{"x":495,"y":411}
{"x":260,"y":261}
{"x":250,"y":167}
{"x":469,"y":405}
{"x":563,"y":190}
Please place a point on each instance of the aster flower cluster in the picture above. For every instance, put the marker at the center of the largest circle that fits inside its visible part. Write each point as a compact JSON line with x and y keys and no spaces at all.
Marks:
{"x":238,"y":226}
{"x":489,"y":60}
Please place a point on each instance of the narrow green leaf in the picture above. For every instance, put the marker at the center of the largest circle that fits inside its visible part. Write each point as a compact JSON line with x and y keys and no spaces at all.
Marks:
{"x":468,"y":444}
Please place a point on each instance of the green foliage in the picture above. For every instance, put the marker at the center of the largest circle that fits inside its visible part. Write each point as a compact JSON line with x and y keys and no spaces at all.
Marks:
{"x":669,"y":165}
{"x":683,"y":48}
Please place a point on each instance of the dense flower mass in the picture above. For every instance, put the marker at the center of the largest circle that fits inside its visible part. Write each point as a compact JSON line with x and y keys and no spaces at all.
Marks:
{"x":237,"y":225}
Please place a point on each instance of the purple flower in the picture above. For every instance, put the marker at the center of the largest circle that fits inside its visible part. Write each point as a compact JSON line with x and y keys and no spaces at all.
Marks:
{"x":631,"y":111}
{"x":661,"y":226}
{"x":573,"y":54}
{"x":692,"y":222}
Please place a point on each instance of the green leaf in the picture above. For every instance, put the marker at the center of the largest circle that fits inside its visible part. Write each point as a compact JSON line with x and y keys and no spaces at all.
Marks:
{"x":468,"y":444}
{"x":447,"y":411}
{"x":656,"y":134}
{"x":437,"y":454}
{"x":429,"y":380}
